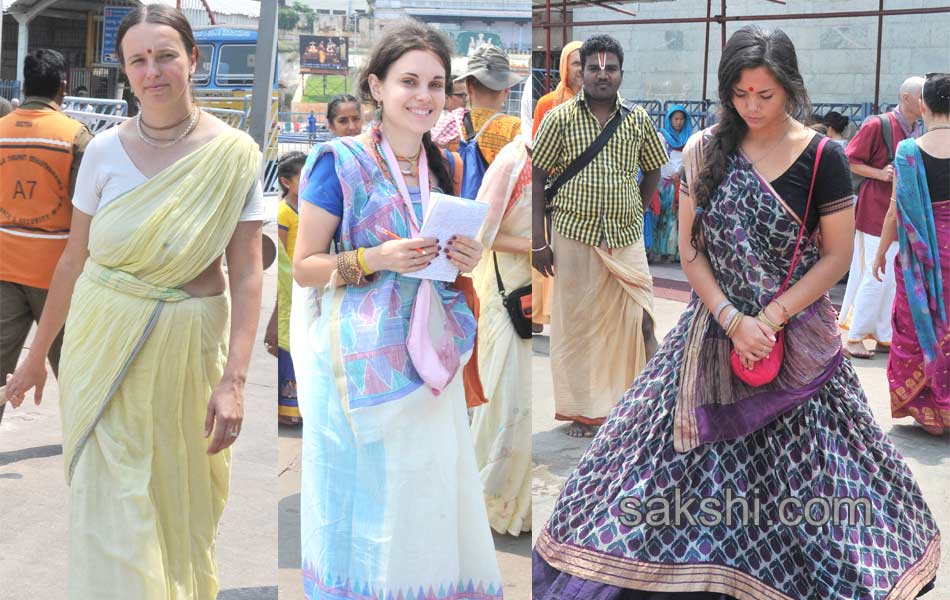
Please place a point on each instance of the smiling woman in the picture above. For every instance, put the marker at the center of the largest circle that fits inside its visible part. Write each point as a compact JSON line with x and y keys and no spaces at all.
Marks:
{"x":391,"y":501}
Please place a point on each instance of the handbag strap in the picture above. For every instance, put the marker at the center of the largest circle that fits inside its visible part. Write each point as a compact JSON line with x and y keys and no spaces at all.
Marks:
{"x":501,"y":284}
{"x":578,"y":164}
{"x":811,"y":190}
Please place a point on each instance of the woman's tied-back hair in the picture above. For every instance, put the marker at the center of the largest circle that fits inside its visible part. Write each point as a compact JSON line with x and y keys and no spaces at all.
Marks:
{"x":600,"y":43}
{"x":936,"y":93}
{"x":333,"y":106}
{"x":158,"y":14}
{"x":289,"y":165}
{"x":836,"y":121}
{"x":749,"y":48}
{"x":405,"y":36}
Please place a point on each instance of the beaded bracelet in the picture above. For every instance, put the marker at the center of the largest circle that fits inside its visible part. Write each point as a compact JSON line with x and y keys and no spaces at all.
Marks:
{"x":348,"y":267}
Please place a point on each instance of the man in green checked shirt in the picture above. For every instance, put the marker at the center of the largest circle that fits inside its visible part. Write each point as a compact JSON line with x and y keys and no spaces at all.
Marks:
{"x":602,"y":311}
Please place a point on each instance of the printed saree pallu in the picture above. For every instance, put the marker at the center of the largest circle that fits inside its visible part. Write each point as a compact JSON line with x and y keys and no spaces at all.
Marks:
{"x":689,"y":428}
{"x":918,"y":367}
{"x":140,"y":360}
{"x":391,"y":505}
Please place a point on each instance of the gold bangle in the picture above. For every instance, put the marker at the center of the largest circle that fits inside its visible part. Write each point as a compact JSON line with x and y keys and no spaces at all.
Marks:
{"x":768,"y":322}
{"x":361,"y":258}
{"x":348,"y":266}
{"x":734,"y":324}
{"x":785,"y":313}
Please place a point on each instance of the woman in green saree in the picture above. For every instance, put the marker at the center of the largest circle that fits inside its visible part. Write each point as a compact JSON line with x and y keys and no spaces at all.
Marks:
{"x":149,"y":368}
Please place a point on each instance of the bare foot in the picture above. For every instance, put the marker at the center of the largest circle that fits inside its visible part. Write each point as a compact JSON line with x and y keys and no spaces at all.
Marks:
{"x":581,"y":430}
{"x":934,"y":430}
{"x":857,"y":350}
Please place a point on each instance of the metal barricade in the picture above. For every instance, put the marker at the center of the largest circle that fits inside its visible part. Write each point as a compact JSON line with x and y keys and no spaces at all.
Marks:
{"x":653,"y":107}
{"x":234,"y":118}
{"x":700,"y":112}
{"x":9,"y":88}
{"x":117,"y":108}
{"x":855,"y":111}
{"x":96,"y":122}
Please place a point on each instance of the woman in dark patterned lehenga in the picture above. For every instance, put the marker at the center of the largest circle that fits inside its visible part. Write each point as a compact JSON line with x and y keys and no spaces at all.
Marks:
{"x":691,"y":441}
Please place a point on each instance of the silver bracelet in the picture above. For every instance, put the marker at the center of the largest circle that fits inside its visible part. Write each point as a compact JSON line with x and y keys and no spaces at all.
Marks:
{"x":539,"y":249}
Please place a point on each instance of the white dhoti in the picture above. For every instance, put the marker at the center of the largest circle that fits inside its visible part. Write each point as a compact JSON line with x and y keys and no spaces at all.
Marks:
{"x":868,"y":303}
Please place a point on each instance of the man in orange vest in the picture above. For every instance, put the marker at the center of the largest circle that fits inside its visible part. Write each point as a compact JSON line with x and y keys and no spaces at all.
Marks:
{"x":40,"y":151}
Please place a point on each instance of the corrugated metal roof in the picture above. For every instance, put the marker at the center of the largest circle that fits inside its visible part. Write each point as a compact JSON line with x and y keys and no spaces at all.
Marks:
{"x":248,"y":8}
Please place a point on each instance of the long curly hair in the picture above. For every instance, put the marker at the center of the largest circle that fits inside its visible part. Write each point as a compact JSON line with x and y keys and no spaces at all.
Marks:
{"x":749,"y":48}
{"x":397,"y":39}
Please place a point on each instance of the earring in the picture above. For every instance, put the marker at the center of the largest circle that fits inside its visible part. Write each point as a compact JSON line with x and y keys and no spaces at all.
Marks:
{"x":379,"y":110}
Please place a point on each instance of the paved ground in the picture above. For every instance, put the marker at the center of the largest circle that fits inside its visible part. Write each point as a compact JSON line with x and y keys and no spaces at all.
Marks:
{"x":555,"y":454}
{"x":33,"y":517}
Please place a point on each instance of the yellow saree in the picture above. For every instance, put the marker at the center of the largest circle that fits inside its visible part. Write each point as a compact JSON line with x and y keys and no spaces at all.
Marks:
{"x":140,"y":360}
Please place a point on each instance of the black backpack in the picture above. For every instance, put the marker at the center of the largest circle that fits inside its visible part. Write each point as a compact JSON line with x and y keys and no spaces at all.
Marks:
{"x":888,"y":133}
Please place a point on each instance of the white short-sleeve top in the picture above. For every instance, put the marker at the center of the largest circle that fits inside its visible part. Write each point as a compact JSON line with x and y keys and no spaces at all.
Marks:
{"x":107,"y":172}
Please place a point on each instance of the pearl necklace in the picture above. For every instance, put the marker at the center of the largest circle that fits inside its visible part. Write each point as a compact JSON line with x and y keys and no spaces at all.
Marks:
{"x":155,"y":142}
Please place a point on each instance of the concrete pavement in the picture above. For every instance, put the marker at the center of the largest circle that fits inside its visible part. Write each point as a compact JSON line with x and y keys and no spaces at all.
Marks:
{"x":33,"y":512}
{"x":555,"y":454}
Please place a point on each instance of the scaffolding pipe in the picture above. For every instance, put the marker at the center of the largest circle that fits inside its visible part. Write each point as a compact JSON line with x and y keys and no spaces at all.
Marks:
{"x":563,"y":23}
{"x":890,"y":12}
{"x":547,"y":50}
{"x":722,"y":25}
{"x":706,"y":60}
{"x":877,"y":63}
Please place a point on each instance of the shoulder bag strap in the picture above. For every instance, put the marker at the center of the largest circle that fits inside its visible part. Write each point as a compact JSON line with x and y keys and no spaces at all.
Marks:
{"x":578,"y":164}
{"x":501,"y":285}
{"x":811,"y":191}
{"x":469,"y":128}
{"x":887,"y":131}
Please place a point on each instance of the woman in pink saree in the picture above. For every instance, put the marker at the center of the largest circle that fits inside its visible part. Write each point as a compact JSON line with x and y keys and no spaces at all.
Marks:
{"x":918,"y":368}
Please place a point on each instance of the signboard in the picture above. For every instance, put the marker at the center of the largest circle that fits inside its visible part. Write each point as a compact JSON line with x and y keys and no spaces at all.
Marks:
{"x":320,"y":53}
{"x":112,"y":16}
{"x":467,"y":41}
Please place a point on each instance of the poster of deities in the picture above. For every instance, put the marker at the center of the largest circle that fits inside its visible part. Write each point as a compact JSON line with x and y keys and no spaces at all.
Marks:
{"x":319,"y":52}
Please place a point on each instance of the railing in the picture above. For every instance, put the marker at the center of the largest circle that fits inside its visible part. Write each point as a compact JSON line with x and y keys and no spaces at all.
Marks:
{"x":9,"y":88}
{"x":855,"y":111}
{"x":700,"y":112}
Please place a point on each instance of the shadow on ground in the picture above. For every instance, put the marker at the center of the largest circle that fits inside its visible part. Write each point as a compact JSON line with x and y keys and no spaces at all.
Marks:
{"x":13,"y":456}
{"x":255,"y":593}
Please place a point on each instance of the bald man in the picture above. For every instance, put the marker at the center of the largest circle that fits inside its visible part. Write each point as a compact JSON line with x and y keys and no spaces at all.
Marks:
{"x":866,"y":310}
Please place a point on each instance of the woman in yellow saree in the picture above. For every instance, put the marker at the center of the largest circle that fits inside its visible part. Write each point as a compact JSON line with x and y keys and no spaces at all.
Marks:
{"x":501,"y":429}
{"x":147,"y":367}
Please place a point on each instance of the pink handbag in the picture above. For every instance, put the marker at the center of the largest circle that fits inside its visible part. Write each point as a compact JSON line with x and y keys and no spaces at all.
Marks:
{"x":430,"y":344}
{"x":767,"y":369}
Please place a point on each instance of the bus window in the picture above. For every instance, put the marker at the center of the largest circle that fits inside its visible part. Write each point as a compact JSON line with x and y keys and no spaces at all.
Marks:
{"x":235,"y":64}
{"x":203,"y":70}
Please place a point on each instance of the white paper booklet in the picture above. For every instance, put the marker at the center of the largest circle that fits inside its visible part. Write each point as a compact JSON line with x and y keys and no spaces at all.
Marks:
{"x":448,"y":216}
